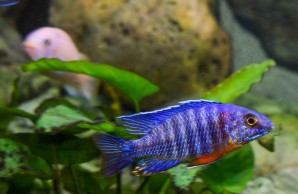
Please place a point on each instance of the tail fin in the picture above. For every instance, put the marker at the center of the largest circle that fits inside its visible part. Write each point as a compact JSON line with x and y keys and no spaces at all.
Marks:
{"x":116,"y":153}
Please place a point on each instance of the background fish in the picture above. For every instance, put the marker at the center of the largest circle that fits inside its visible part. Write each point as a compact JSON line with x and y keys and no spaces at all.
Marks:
{"x":198,"y":132}
{"x":50,"y":42}
{"x":5,"y":3}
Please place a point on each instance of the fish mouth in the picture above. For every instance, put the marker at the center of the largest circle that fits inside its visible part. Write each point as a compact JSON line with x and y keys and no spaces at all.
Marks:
{"x":257,"y":136}
{"x":31,"y":50}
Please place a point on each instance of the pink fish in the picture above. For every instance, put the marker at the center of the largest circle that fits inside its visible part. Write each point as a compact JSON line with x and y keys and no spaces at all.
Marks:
{"x":50,"y":42}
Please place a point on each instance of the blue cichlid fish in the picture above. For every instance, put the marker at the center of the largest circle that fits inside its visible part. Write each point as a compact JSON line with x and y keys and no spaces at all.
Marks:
{"x":199,"y":132}
{"x":5,"y":3}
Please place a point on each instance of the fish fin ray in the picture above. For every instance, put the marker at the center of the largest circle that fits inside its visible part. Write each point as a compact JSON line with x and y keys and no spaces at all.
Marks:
{"x":116,"y":153}
{"x":150,"y":166}
{"x":142,"y":123}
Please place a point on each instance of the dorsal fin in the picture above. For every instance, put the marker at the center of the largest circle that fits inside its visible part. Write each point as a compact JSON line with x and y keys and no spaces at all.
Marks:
{"x":142,"y":123}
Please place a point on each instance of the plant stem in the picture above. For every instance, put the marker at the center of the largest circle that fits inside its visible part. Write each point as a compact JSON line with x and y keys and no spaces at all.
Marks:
{"x":142,"y":185}
{"x":165,"y":187}
{"x":56,"y":179}
{"x":75,"y":180}
{"x":137,"y":106}
{"x":119,"y":186}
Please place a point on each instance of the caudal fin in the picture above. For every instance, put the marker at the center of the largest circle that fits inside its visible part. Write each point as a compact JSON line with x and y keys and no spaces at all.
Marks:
{"x":116,"y":153}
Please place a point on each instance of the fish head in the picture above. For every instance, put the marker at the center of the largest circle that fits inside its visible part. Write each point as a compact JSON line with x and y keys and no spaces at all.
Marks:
{"x":245,"y":125}
{"x":50,"y":42}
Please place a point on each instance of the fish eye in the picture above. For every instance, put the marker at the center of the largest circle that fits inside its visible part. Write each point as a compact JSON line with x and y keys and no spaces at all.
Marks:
{"x":251,"y":120}
{"x":47,"y":42}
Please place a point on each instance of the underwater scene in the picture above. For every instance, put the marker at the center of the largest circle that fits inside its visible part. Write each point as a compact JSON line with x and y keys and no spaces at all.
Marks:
{"x":148,"y":97}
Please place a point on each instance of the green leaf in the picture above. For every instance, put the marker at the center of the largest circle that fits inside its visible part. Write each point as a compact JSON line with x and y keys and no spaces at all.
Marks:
{"x":58,"y":117}
{"x":239,"y":83}
{"x":131,"y":84}
{"x":231,"y":173}
{"x":52,"y":102}
{"x":21,"y":183}
{"x":61,"y":148}
{"x":104,"y":126}
{"x":16,"y":112}
{"x":17,"y":158}
{"x":77,"y":180}
{"x":38,"y":167}
{"x":107,"y":184}
{"x":13,"y":157}
{"x":3,"y":188}
{"x":157,"y":182}
{"x":182,"y":175}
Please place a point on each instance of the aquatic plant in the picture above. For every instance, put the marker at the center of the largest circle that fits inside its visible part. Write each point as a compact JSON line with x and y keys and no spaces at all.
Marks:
{"x":58,"y":152}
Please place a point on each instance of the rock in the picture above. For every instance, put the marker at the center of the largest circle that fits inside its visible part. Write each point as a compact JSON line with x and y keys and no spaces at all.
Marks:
{"x":275,"y":23}
{"x":176,"y":44}
{"x":279,"y":82}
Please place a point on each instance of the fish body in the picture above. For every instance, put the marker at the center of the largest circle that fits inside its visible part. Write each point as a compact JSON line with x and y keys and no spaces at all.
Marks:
{"x":197,"y":132}
{"x":50,"y":42}
{"x":5,"y":3}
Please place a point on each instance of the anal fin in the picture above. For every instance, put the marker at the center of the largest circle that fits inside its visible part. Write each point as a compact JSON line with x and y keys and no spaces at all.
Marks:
{"x":152,"y":166}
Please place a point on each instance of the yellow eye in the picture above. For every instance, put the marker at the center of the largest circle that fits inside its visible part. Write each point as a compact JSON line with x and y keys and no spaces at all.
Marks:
{"x":251,"y":120}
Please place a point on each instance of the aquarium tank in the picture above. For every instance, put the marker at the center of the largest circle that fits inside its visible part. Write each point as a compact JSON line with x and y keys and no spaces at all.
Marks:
{"x":148,"y":97}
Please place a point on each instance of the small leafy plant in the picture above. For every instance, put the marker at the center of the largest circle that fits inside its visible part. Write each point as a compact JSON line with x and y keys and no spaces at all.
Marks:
{"x":58,"y":153}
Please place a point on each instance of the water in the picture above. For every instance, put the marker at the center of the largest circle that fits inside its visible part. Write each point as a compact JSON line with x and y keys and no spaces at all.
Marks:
{"x":177,"y":45}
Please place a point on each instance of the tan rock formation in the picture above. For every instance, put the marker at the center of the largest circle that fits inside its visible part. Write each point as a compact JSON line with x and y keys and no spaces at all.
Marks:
{"x":176,"y":44}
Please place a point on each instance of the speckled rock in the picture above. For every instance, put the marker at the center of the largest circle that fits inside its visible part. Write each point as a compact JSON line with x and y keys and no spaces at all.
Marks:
{"x":176,"y":44}
{"x":275,"y":23}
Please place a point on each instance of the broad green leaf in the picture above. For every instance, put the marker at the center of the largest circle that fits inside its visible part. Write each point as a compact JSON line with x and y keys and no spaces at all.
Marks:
{"x":61,"y":148}
{"x":131,"y":84}
{"x":77,"y":180}
{"x":182,"y":175}
{"x":3,"y":188}
{"x":71,"y":119}
{"x":38,"y":167}
{"x":17,"y":158}
{"x":157,"y":182}
{"x":13,"y":157}
{"x":8,"y":114}
{"x":60,"y":116}
{"x":16,"y":112}
{"x":107,"y":184}
{"x":239,"y":83}
{"x":21,"y":183}
{"x":104,"y":126}
{"x":165,"y":187}
{"x":52,"y":102}
{"x":231,"y":173}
